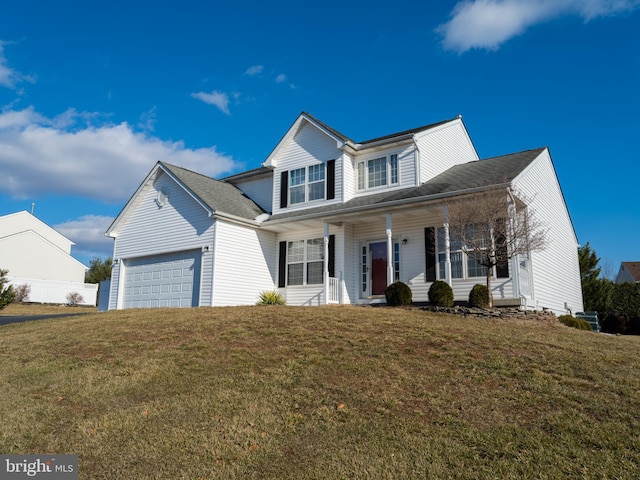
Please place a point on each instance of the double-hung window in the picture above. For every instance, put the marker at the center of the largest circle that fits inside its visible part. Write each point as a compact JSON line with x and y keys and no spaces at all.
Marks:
{"x":378,"y":172}
{"x":462,"y":264}
{"x":307,"y":184}
{"x":305,"y":262}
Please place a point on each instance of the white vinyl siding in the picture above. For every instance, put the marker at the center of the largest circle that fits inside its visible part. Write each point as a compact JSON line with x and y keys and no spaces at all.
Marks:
{"x":555,"y":270}
{"x":245,"y":264}
{"x":310,"y":146}
{"x":258,"y":189}
{"x":443,"y":147}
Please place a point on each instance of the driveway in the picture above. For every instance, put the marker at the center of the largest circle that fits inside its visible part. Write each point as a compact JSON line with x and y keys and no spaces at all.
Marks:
{"x":7,"y":319}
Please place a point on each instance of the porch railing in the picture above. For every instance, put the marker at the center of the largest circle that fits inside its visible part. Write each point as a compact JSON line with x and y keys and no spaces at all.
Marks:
{"x":333,"y":290}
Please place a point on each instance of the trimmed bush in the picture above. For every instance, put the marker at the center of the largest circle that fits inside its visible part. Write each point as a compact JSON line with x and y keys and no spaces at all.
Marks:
{"x":398,"y":294}
{"x":441,"y":294}
{"x":574,"y":322}
{"x":271,"y":298}
{"x":478,"y":296}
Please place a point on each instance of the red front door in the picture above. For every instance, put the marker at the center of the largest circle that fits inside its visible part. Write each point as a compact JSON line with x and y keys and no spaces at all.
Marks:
{"x":378,"y":267}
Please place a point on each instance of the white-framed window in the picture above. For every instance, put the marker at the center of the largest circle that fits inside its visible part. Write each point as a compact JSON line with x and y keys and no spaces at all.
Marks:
{"x":305,"y":262}
{"x":378,"y":172}
{"x":307,"y":184}
{"x":462,"y":265}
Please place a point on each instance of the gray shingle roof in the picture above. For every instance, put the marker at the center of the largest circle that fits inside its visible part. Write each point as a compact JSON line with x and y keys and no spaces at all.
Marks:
{"x":459,"y":178}
{"x":221,"y":197}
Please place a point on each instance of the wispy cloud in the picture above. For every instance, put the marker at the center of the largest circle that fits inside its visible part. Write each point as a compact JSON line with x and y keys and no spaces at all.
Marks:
{"x":487,"y":24}
{"x":10,"y":77}
{"x":64,"y":156}
{"x":281,"y":78}
{"x":87,"y":232}
{"x":254,"y":70}
{"x":216,"y":98}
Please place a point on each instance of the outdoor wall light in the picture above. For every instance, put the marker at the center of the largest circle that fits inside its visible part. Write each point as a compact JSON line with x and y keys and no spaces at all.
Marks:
{"x":405,"y":241}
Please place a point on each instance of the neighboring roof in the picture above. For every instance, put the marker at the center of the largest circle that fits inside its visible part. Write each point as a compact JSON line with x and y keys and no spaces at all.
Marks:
{"x":634,"y":269}
{"x":456,"y":180}
{"x":219,"y":196}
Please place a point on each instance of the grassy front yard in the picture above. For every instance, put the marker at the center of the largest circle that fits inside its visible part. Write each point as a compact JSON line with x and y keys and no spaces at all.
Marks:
{"x":320,"y":393}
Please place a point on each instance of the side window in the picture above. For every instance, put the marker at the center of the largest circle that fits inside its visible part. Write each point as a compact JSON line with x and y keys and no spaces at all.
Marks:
{"x":377,"y":172}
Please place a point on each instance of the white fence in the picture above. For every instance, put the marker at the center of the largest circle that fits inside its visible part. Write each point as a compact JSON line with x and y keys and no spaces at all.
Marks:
{"x":49,"y":291}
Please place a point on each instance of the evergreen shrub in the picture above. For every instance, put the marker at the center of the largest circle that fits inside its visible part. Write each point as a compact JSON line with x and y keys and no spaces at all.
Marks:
{"x":478,"y":296}
{"x":441,"y":294}
{"x":398,"y":294}
{"x":574,"y":322}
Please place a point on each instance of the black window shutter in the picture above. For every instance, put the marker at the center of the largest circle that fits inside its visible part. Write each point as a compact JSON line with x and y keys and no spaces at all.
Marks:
{"x":331,"y":179}
{"x":284,"y":189}
{"x":430,"y":254}
{"x":502,"y":267}
{"x":282,"y":265}
{"x":332,"y":255}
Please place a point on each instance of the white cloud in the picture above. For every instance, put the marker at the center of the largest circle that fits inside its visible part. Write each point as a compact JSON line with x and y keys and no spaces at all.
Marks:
{"x":219,"y":99}
{"x":40,"y":156}
{"x":87,"y":232}
{"x":281,"y":78}
{"x":254,"y":70}
{"x":487,"y":24}
{"x":9,"y":77}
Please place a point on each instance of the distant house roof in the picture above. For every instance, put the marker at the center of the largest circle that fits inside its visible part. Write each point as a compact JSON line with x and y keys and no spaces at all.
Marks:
{"x":458,"y":179}
{"x":219,"y":196}
{"x":633,"y":268}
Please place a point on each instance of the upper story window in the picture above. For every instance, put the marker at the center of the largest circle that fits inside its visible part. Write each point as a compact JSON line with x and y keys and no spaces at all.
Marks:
{"x":306,"y":184}
{"x":378,"y":172}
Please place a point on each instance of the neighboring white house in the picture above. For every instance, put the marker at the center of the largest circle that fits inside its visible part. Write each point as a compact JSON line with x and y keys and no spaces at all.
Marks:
{"x":38,"y":255}
{"x":330,"y":220}
{"x":629,"y":272}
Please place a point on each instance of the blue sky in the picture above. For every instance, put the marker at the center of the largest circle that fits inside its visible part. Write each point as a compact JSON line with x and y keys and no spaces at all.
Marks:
{"x":93,"y":94}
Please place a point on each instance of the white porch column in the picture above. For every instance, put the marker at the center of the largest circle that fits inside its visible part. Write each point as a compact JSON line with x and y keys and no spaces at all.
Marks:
{"x":447,"y":247}
{"x":325,"y":274}
{"x":389,"y":251}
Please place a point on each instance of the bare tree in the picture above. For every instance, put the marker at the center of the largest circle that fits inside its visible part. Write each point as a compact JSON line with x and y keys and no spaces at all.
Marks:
{"x":493,"y":226}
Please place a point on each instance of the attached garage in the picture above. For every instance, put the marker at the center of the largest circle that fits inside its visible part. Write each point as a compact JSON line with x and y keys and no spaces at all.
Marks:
{"x":170,"y":280}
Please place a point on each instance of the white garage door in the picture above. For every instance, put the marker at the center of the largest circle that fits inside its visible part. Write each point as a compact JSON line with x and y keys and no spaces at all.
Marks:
{"x":171,"y":280}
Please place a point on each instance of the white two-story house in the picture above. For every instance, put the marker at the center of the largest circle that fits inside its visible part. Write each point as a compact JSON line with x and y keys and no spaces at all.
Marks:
{"x":326,"y":219}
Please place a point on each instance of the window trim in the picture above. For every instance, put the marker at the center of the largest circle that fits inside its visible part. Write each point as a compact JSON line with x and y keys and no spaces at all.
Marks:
{"x":306,"y":183}
{"x":305,"y":261}
{"x":455,"y":248}
{"x":391,"y":172}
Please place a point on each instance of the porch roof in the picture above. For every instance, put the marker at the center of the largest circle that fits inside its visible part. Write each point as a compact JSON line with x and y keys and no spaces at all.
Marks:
{"x":459,"y":179}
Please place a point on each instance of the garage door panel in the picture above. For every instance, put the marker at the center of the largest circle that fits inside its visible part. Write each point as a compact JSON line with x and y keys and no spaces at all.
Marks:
{"x":171,"y":280}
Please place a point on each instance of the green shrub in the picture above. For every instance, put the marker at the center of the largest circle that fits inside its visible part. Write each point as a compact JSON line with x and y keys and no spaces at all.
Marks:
{"x":574,"y":322}
{"x":7,"y":293}
{"x":271,"y":298}
{"x":478,"y":296}
{"x":441,"y":294}
{"x":398,"y":294}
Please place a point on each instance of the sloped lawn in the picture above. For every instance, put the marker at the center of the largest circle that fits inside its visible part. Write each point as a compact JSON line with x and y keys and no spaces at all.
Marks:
{"x":320,"y":393}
